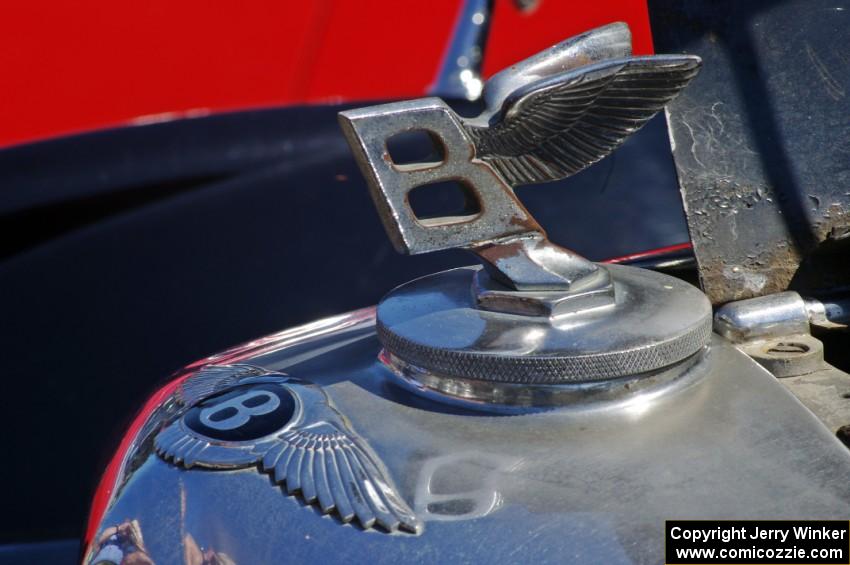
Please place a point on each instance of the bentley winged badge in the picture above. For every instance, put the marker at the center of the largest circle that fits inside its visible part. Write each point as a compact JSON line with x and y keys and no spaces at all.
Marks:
{"x":238,"y":416}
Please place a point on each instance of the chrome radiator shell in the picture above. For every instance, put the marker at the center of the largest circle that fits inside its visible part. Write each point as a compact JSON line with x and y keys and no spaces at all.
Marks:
{"x":583,"y":482}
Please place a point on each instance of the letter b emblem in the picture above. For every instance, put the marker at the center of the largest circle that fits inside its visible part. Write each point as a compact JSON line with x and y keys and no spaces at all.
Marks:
{"x":245,"y":407}
{"x":243,"y":413}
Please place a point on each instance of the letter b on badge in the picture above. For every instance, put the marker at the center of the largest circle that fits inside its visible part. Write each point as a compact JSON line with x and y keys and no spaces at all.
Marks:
{"x":244,"y":409}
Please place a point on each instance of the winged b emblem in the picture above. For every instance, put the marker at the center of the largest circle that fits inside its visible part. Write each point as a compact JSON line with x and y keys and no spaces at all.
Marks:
{"x":239,"y":416}
{"x":561,"y":118}
{"x":545,"y":118}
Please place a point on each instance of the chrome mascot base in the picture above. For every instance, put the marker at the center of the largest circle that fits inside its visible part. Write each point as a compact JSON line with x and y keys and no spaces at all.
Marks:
{"x":536,"y":408}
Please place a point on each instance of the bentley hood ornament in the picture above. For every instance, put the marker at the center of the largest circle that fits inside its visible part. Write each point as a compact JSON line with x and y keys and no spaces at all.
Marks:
{"x":546,"y":118}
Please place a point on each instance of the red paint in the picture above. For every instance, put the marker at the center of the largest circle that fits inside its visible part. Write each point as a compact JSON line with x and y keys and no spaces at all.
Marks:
{"x":69,"y":67}
{"x":72,"y":66}
{"x":651,"y":253}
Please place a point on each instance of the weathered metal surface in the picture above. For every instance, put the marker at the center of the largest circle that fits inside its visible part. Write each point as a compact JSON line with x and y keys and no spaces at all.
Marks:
{"x":775,"y":331}
{"x":762,"y":141}
{"x":787,"y":356}
{"x":826,"y":393}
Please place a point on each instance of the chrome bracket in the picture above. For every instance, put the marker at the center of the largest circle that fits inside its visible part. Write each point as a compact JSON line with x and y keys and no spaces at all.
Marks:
{"x":775,"y":330}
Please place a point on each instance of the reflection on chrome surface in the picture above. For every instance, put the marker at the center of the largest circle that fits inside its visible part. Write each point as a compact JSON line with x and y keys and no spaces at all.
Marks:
{"x":124,"y":545}
{"x":460,"y":486}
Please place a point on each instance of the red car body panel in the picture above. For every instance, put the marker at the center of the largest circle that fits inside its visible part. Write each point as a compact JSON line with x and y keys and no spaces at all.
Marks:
{"x":71,"y":67}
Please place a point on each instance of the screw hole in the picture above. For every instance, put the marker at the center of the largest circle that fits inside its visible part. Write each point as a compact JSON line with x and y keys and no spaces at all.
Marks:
{"x":786,"y":347}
